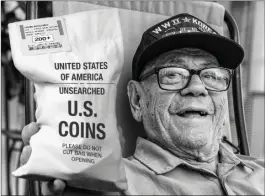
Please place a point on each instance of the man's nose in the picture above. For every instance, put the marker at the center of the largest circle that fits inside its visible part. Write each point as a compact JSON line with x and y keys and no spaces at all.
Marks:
{"x":195,"y":87}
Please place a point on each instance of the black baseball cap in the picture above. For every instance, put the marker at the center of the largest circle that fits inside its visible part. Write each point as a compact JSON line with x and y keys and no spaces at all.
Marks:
{"x":182,"y":31}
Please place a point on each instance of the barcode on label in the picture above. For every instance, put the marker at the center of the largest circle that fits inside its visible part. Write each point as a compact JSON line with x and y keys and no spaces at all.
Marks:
{"x":45,"y":46}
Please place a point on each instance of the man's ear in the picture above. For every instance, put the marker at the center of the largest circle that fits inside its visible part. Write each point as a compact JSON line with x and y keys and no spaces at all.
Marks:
{"x":135,"y":94}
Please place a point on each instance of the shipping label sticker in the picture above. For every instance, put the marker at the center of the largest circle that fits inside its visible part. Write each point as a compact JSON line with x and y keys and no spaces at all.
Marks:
{"x":43,"y":36}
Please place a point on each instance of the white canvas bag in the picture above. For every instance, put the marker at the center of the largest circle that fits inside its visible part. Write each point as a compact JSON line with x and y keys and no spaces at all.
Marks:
{"x":75,"y":63}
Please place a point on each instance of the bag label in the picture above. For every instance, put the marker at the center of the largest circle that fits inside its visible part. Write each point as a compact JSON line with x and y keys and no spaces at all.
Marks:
{"x":84,"y":115}
{"x":42,"y":36}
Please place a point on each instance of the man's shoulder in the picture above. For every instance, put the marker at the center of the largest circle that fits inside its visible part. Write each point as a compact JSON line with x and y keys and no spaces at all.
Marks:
{"x":252,"y":159}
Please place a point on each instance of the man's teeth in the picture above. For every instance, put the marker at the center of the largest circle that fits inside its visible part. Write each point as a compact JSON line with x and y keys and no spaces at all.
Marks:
{"x":192,"y":113}
{"x":203,"y":113}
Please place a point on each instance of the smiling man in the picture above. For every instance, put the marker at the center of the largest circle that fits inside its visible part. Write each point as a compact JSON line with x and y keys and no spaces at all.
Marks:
{"x":181,"y":111}
{"x":181,"y":71}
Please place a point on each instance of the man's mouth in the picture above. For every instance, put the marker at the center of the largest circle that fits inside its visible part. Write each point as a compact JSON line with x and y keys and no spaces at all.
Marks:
{"x":192,"y":113}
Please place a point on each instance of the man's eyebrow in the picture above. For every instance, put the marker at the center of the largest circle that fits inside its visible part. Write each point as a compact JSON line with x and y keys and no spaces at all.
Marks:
{"x":179,"y":61}
{"x":210,"y":63}
{"x":174,"y":61}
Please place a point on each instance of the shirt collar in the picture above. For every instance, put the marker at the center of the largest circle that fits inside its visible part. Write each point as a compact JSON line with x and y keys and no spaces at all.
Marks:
{"x":227,"y":156}
{"x":161,"y":161}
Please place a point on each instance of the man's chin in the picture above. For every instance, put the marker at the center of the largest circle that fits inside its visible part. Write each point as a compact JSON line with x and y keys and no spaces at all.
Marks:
{"x":203,"y":146}
{"x":192,"y":139}
{"x":194,"y":144}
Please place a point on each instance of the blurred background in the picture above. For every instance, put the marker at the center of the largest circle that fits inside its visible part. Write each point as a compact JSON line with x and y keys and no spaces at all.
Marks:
{"x":249,"y":16}
{"x":13,"y":97}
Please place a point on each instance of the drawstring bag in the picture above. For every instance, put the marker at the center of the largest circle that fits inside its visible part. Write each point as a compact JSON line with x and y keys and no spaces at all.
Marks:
{"x":75,"y":62}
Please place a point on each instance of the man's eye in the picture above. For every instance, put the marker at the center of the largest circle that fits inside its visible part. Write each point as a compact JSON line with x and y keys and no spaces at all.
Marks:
{"x":172,"y":75}
{"x":215,"y":77}
{"x":171,"y":78}
{"x":210,"y":77}
{"x":207,"y":76}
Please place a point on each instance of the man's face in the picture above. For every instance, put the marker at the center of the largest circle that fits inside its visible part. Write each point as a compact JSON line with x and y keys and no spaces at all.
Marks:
{"x":187,"y":120}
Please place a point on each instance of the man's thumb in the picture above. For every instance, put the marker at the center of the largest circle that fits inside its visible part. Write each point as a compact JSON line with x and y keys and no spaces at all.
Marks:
{"x":55,"y":187}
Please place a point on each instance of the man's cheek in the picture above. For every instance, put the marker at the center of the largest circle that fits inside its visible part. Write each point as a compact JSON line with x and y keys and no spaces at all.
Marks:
{"x":221,"y":111}
{"x":158,"y":102}
{"x":162,"y":109}
{"x":149,"y":110}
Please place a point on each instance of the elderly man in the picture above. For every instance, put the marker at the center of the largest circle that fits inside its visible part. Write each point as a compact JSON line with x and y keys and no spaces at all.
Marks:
{"x":181,"y":71}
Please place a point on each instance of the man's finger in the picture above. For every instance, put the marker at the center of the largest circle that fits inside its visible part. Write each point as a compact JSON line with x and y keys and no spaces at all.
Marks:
{"x":24,"y":157}
{"x":55,"y":187}
{"x":28,"y":131}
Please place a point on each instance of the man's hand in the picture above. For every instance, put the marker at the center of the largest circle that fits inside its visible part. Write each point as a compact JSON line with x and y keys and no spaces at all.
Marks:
{"x":55,"y":187}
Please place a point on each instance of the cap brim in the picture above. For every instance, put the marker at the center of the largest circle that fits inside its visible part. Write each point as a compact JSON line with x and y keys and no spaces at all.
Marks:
{"x":228,"y":53}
